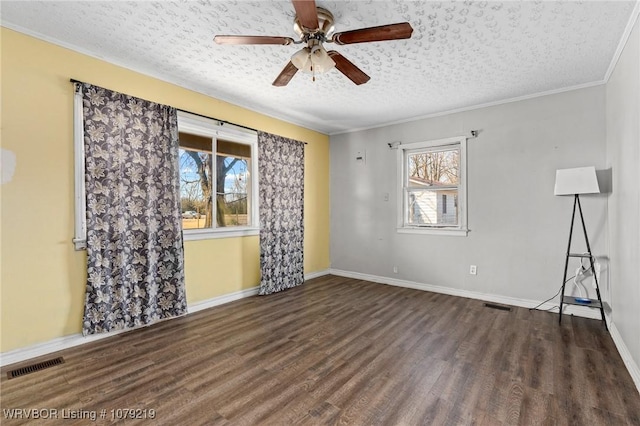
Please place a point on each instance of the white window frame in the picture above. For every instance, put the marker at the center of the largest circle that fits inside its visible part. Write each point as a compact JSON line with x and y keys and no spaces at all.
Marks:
{"x":80,"y":226}
{"x":210,"y":128}
{"x":403,"y":226}
{"x":191,"y":124}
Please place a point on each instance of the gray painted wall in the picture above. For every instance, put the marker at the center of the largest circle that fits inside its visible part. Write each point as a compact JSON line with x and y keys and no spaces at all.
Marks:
{"x":623,"y":157}
{"x":519,"y":229}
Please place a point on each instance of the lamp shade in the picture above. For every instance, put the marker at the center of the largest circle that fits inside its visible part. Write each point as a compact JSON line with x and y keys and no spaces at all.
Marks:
{"x":313,"y":60}
{"x":581,"y":180}
{"x":322,"y":62}
{"x":301,"y":59}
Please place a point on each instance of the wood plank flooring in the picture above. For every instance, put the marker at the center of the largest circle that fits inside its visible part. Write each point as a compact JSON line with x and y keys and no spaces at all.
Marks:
{"x":342,"y":351}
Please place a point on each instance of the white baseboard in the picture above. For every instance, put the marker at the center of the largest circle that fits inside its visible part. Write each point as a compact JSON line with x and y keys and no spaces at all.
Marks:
{"x":316,"y":274}
{"x":628,"y":360}
{"x":77,"y":339}
{"x":221,"y":300}
{"x":57,"y":344}
{"x":72,"y":340}
{"x":581,"y":311}
{"x":226,"y":298}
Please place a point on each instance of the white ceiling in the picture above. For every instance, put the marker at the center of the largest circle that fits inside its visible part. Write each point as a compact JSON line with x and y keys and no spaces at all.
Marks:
{"x":461,"y":54}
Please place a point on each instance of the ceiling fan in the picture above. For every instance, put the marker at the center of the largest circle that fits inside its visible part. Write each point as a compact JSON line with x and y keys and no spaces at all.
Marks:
{"x":314,"y":26}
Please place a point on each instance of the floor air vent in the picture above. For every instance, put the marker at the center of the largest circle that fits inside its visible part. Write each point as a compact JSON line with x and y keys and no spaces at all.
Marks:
{"x":494,"y":306}
{"x":34,"y":367}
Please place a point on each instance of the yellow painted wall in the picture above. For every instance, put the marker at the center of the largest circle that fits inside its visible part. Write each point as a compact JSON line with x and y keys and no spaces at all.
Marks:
{"x":43,"y":278}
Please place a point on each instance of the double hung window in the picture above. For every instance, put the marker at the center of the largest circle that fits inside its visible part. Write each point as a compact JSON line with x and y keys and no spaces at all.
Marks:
{"x":432,"y":178}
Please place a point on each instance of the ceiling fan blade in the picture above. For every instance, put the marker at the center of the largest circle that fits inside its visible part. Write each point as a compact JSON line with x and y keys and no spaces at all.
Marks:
{"x":381,"y":33}
{"x":347,"y":68}
{"x":243,"y":39}
{"x":307,"y":13}
{"x":286,"y":75}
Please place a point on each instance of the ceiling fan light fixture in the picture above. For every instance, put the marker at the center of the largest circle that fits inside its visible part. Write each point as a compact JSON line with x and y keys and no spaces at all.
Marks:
{"x":313,"y":60}
{"x":314,"y":26}
{"x":301,"y":59}
{"x":321,"y":60}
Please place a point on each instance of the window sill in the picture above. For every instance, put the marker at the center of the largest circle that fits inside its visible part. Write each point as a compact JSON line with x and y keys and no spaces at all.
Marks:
{"x":210,"y":234}
{"x":434,"y":231}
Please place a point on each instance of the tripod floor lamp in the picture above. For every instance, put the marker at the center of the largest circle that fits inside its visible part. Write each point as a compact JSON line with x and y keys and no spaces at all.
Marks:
{"x":576,"y":182}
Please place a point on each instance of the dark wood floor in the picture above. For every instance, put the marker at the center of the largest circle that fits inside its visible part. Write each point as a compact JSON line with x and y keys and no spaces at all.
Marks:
{"x":338,"y":350}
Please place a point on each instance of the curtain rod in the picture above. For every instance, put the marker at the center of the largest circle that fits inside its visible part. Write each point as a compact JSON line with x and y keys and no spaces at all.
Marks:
{"x":73,"y":80}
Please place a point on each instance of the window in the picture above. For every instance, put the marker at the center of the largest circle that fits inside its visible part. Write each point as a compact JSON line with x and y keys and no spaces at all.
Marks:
{"x":218,"y":179}
{"x":226,"y":206}
{"x":432,"y":178}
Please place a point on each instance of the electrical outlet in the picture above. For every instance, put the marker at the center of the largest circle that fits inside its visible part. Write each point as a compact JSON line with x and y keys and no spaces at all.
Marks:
{"x":395,"y":269}
{"x":386,"y":196}
{"x":473,"y":269}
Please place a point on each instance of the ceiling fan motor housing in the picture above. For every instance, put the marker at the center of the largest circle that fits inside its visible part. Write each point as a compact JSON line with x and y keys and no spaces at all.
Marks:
{"x":324,"y":30}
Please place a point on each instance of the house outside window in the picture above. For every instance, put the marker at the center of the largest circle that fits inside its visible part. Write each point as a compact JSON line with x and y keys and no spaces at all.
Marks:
{"x":432,"y":177}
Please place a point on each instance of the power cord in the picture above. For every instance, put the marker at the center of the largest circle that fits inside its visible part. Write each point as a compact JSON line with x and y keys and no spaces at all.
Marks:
{"x":583,"y":271}
{"x":579,"y":271}
{"x":552,"y":297}
{"x":549,"y":309}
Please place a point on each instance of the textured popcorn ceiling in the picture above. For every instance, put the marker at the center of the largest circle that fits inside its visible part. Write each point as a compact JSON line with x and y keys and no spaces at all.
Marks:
{"x":461,"y":54}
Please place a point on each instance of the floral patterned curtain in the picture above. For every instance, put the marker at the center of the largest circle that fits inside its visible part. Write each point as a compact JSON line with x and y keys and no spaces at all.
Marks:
{"x":135,"y":253}
{"x":281,"y":183}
